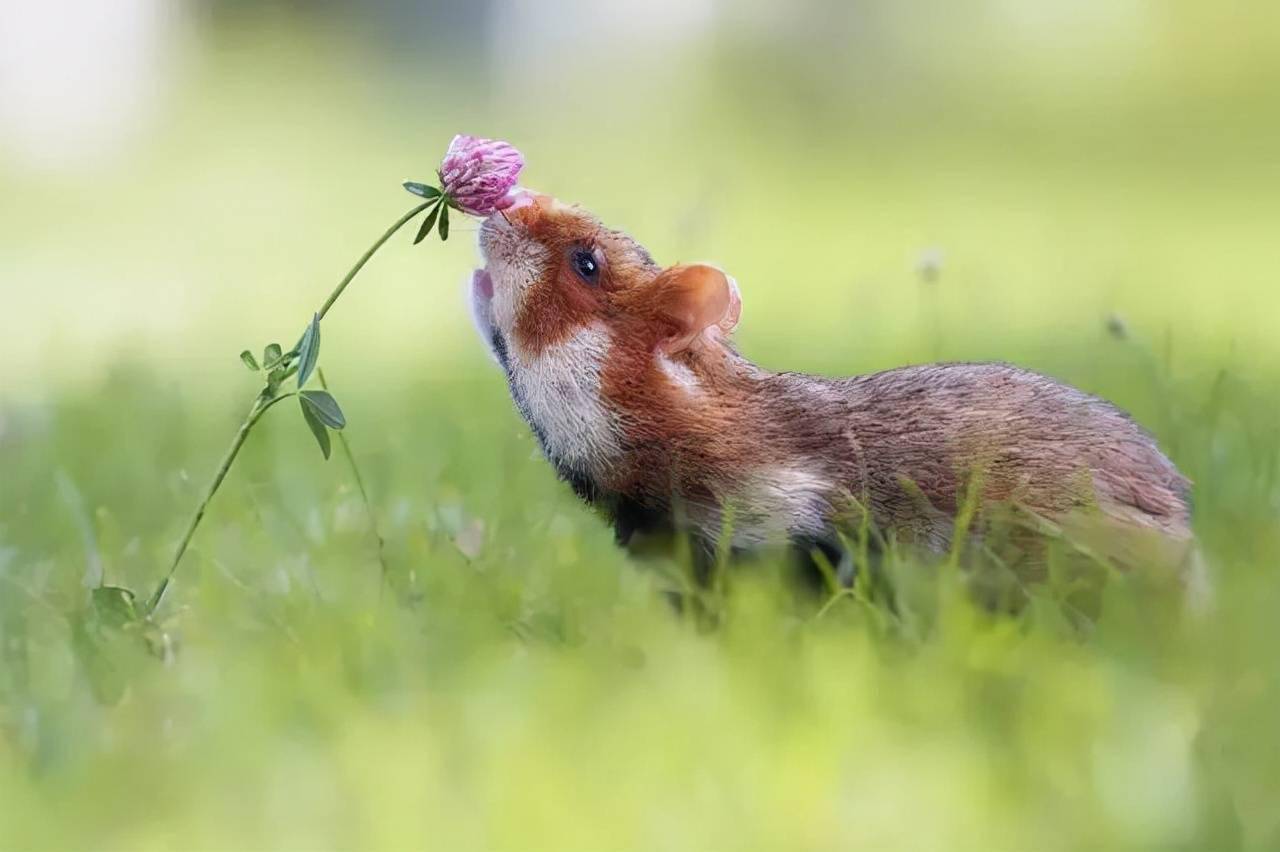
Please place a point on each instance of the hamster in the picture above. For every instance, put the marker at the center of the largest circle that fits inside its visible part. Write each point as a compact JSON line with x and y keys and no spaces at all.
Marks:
{"x":624,"y":371}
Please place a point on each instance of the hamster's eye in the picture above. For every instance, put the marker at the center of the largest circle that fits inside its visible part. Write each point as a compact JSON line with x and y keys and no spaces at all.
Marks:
{"x":586,"y":265}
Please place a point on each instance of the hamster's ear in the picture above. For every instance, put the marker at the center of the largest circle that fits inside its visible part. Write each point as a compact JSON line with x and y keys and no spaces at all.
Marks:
{"x":694,"y":298}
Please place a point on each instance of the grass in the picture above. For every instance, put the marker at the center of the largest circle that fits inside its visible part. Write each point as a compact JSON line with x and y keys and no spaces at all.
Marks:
{"x":510,"y":680}
{"x":520,"y":684}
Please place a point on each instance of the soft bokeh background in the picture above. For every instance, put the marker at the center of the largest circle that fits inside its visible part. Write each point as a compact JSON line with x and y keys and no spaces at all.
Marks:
{"x":182,"y":176}
{"x":1090,"y":188}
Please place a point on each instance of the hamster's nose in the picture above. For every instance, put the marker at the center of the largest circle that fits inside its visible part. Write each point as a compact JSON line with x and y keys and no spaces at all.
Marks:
{"x":521,"y":197}
{"x":527,"y":206}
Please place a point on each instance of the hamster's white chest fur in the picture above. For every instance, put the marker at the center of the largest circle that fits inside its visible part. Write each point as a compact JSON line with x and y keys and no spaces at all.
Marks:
{"x":559,"y":392}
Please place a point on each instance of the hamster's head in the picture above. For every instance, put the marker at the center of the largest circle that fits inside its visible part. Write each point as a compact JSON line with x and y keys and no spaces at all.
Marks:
{"x":554,"y":276}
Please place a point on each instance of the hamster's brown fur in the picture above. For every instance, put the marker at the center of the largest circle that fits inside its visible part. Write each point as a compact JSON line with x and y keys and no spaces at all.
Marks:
{"x":624,"y":375}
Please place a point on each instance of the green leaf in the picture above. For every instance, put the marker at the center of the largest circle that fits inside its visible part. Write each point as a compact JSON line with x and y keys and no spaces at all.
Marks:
{"x":421,"y":189}
{"x":317,"y":428}
{"x":427,"y":224}
{"x":249,"y":361}
{"x":325,"y":408}
{"x":271,"y":356}
{"x":444,"y":222}
{"x":114,"y":605}
{"x":309,"y":350}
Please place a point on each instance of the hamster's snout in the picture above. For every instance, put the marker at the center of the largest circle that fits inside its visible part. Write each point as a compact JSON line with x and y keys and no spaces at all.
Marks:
{"x":505,"y":235}
{"x":513,"y":257}
{"x":495,"y":239}
{"x":522,"y":198}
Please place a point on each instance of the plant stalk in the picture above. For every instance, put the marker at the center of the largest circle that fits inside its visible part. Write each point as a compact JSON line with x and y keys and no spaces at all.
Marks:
{"x":260,"y":407}
{"x":342,"y":285}
{"x":237,"y":442}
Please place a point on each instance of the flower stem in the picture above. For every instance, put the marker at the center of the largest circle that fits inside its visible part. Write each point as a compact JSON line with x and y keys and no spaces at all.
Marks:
{"x":342,"y":285}
{"x":364,"y":494}
{"x":256,"y":411}
{"x":260,"y":407}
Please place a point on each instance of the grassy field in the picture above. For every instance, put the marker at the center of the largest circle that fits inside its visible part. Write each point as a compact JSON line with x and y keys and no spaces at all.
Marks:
{"x":498,"y":675}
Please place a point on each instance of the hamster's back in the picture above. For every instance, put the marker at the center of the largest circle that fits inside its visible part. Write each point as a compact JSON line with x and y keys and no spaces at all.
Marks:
{"x":1033,"y":441}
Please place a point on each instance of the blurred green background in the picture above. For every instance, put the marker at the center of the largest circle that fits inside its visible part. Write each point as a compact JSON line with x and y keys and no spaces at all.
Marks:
{"x":1091,"y":189}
